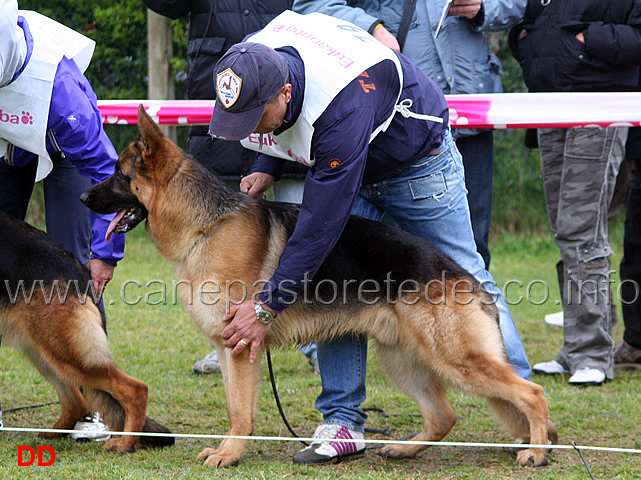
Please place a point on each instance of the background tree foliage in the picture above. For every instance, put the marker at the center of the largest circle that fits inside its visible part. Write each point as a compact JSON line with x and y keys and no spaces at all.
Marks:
{"x":119,"y":71}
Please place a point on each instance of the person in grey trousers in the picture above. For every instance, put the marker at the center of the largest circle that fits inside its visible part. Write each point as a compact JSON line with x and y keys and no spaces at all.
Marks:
{"x":581,"y":46}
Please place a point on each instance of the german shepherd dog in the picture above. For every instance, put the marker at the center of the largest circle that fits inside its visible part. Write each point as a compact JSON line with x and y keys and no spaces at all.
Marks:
{"x":425,"y":341}
{"x":47,"y":311}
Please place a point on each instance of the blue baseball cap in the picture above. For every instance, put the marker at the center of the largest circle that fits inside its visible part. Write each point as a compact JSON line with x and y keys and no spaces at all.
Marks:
{"x":246,"y":77}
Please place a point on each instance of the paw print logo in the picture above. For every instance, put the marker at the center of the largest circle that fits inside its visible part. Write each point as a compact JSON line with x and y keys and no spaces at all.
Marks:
{"x":26,"y":118}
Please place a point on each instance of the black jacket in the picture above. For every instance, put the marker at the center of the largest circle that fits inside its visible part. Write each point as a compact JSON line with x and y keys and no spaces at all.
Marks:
{"x":553,"y":59}
{"x":214,"y":26}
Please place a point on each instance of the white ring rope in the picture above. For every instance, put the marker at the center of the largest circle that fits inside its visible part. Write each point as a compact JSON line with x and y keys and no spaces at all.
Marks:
{"x":298,"y":439}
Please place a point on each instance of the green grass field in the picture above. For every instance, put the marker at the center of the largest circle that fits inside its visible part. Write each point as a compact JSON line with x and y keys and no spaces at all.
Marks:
{"x":154,"y":341}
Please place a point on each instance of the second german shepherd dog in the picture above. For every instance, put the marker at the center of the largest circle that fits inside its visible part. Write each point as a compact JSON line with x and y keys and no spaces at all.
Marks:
{"x":427,"y":339}
{"x":47,"y":311}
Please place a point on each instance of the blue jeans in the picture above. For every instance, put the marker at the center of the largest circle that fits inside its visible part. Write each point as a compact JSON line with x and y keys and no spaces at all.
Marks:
{"x":430,"y":201}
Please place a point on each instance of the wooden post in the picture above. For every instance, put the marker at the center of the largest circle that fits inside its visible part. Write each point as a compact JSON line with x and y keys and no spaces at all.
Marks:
{"x":159,"y":51}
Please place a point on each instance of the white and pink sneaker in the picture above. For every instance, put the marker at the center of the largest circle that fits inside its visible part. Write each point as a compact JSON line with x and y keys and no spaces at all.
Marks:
{"x":328,"y":451}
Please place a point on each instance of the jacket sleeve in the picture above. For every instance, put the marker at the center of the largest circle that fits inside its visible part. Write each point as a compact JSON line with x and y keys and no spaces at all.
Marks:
{"x":77,"y":124}
{"x":615,"y":44}
{"x":501,"y":14}
{"x":338,"y":9}
{"x":267,"y":164}
{"x":169,"y":8}
{"x":329,"y":194}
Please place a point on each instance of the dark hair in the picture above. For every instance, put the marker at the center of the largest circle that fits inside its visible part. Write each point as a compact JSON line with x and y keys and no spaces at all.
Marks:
{"x":274,"y":99}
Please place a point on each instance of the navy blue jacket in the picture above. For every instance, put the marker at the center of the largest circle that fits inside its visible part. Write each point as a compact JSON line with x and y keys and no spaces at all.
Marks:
{"x":345,"y":160}
{"x":554,"y":60}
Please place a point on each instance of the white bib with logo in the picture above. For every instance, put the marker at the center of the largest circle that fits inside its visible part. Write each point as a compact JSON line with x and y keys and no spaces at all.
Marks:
{"x":334,"y":52}
{"x":24,"y":103}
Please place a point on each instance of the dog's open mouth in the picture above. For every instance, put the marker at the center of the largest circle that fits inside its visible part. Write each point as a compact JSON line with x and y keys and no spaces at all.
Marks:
{"x":125,"y":220}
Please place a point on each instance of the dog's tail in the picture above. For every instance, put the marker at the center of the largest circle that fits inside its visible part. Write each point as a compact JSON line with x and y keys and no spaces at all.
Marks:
{"x":114,"y":417}
{"x":152,"y":426}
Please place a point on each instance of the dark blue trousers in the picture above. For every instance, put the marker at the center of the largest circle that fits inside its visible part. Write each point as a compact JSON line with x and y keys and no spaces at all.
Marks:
{"x":67,"y":219}
{"x":478,"y":160}
{"x":631,"y":262}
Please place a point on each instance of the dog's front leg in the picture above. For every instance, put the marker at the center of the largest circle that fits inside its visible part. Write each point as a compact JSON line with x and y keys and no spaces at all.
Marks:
{"x":241,"y":380}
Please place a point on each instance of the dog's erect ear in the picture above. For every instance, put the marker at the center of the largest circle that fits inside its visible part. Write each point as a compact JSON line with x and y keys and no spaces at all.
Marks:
{"x":149,"y":131}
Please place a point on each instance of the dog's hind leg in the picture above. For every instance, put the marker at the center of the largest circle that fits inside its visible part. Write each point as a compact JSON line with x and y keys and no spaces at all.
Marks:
{"x":463,"y":346}
{"x":70,"y":348}
{"x":426,"y":389}
{"x":122,"y":400}
{"x":241,"y":379}
{"x":114,"y":393}
{"x":517,"y":423}
{"x":519,"y":404}
{"x":72,"y":402}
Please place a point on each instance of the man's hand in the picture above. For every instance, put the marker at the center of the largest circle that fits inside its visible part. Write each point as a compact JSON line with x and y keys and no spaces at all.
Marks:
{"x":101,"y":273}
{"x":465,"y":8}
{"x":244,"y":330}
{"x":256,"y":184}
{"x":386,"y":38}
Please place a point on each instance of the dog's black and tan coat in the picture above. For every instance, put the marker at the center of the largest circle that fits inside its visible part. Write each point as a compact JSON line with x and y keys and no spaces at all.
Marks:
{"x":425,"y":342}
{"x":47,"y":311}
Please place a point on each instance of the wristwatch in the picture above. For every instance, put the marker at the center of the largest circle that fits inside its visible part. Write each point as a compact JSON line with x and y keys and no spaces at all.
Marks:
{"x":264,"y":316}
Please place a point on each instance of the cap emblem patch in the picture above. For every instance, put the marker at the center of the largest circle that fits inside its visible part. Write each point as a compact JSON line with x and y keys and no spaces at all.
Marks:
{"x":228,"y":87}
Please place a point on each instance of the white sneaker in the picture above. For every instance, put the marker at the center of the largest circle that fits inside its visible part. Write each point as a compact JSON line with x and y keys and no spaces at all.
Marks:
{"x":587,"y":376}
{"x":550,"y":368}
{"x":554,"y":319}
{"x":91,"y":429}
{"x":327,"y":451}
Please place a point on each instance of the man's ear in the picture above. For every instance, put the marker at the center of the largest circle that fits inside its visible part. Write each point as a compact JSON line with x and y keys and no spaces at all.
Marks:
{"x":287,"y":92}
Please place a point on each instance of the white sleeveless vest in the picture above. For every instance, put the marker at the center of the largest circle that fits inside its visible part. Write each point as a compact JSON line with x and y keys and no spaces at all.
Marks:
{"x":24,"y":103}
{"x":334,"y":53}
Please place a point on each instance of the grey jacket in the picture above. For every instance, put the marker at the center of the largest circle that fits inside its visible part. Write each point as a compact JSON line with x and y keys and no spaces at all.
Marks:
{"x":459,"y":60}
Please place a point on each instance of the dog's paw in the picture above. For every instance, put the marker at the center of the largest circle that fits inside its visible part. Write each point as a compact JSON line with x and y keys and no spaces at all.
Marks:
{"x":117,"y":445}
{"x":206,"y":453}
{"x":531,"y":457}
{"x":213,"y":458}
{"x":398,"y":452}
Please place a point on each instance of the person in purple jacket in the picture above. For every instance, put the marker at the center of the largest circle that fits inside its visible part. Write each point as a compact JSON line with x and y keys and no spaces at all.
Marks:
{"x":51,"y":131}
{"x":68,"y":149}
{"x":374,"y":130}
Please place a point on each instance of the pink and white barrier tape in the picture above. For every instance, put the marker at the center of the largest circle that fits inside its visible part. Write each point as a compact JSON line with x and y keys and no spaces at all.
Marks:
{"x":495,"y":110}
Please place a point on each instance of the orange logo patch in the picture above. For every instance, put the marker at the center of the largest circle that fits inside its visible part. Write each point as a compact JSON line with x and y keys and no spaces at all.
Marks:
{"x":334,"y":162}
{"x":367,"y":86}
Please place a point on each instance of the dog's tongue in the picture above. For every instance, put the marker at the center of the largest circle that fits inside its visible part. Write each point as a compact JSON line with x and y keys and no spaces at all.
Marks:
{"x":114,"y":223}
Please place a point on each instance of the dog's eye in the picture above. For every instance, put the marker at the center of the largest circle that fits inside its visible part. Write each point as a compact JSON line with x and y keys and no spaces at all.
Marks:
{"x":121,"y":178}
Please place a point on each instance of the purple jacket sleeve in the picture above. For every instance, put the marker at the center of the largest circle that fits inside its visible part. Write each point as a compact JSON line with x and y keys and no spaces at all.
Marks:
{"x":76,"y":121}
